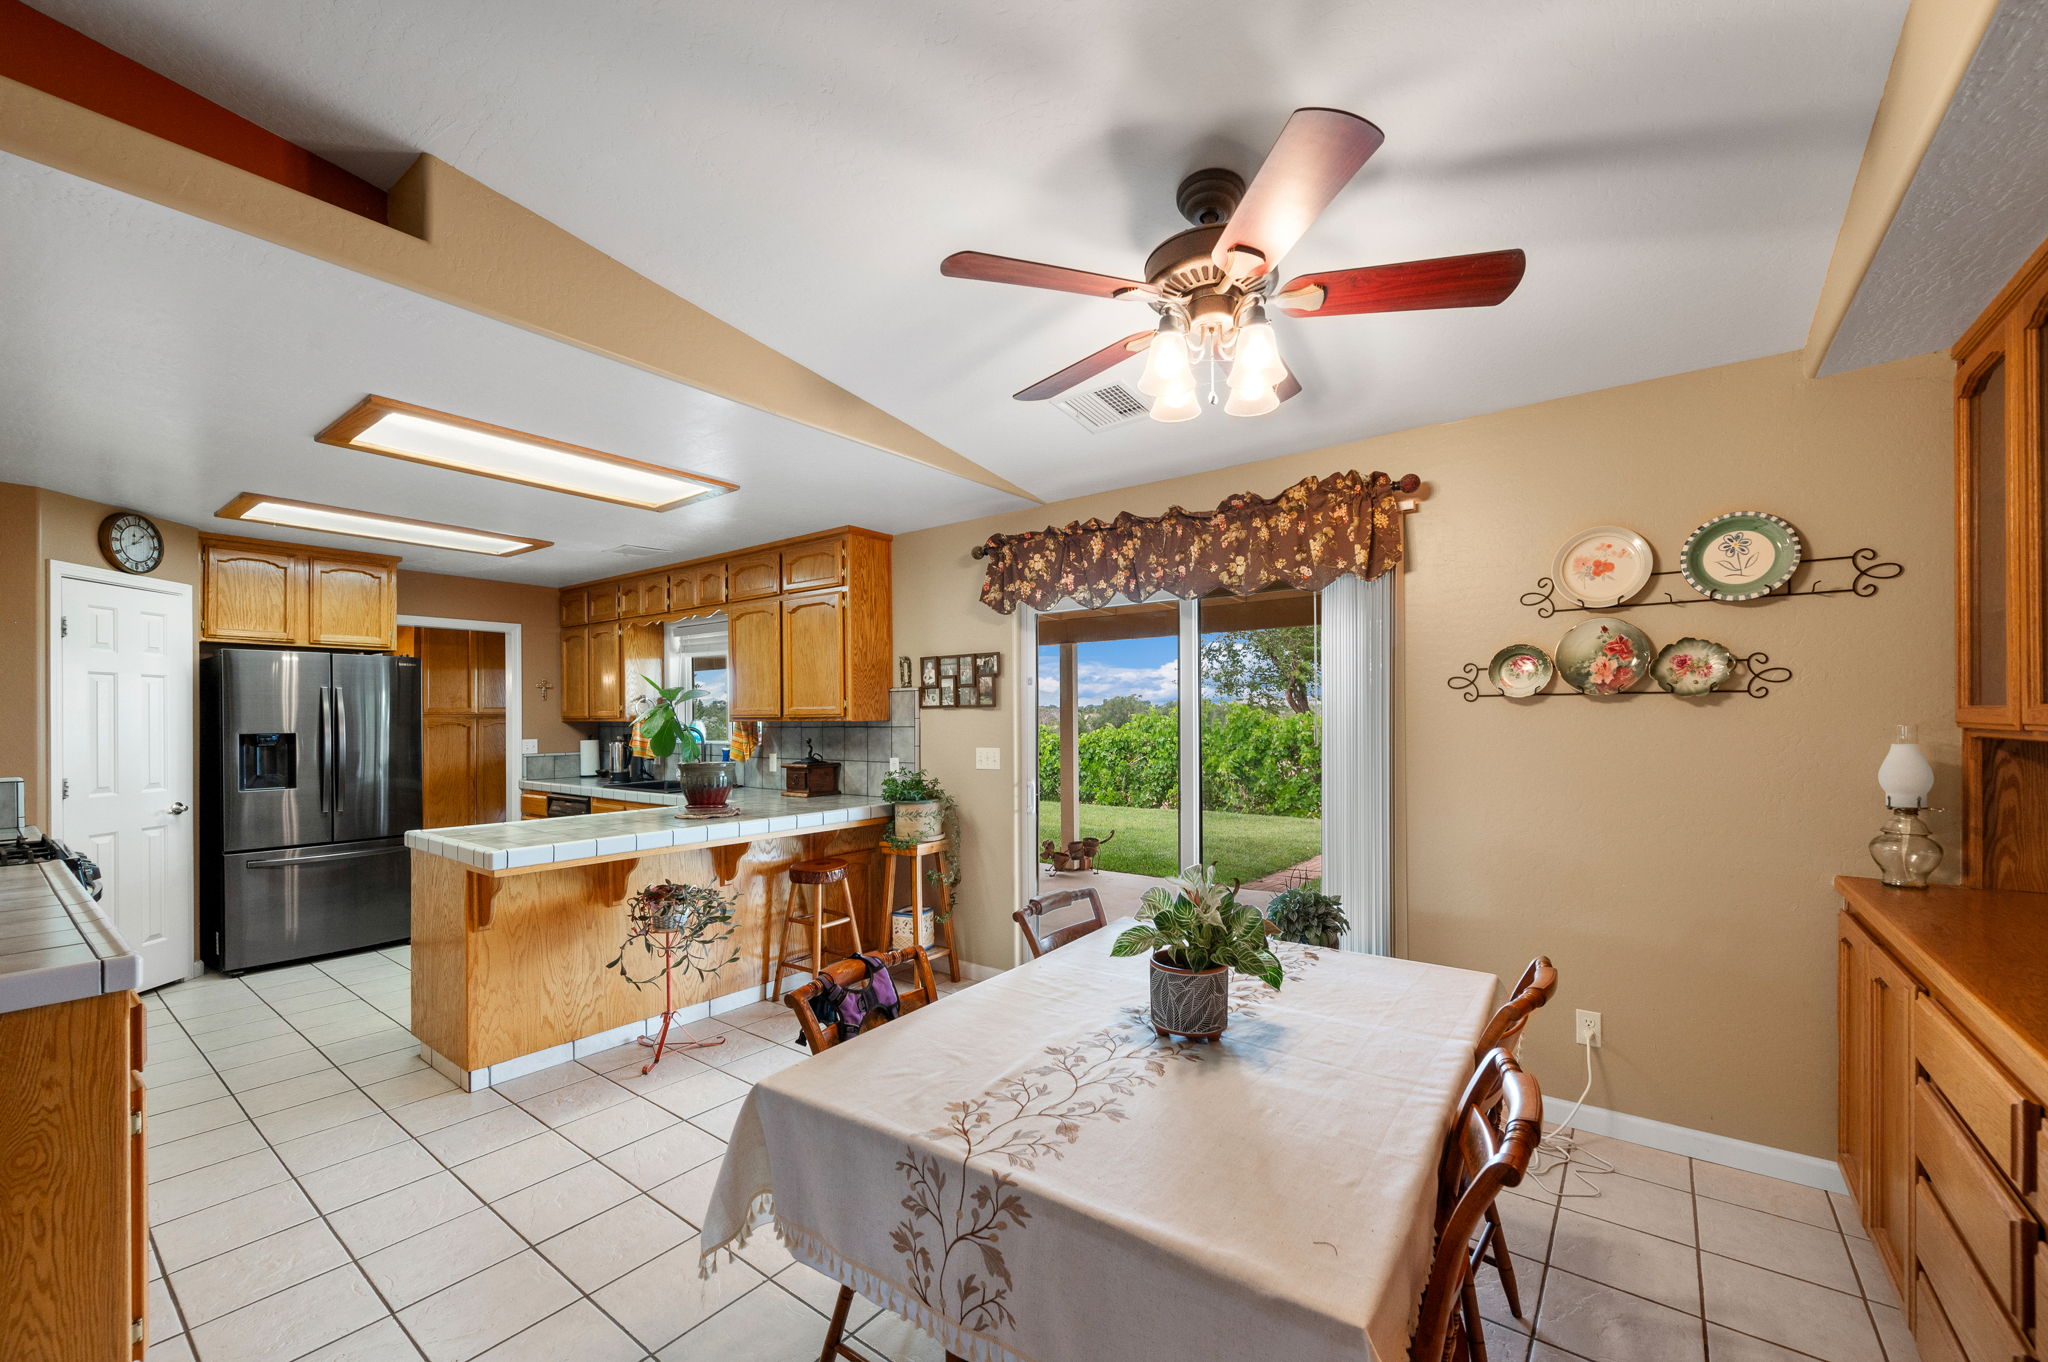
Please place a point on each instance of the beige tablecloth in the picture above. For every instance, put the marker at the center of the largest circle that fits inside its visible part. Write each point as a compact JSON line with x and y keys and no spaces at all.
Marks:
{"x":1030,"y":1175}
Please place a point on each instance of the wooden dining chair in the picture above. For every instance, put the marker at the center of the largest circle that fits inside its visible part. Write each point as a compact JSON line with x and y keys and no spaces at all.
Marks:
{"x":1498,"y":1124}
{"x":1030,"y":919}
{"x":1530,"y":993}
{"x":1504,"y":1031}
{"x":851,"y":972}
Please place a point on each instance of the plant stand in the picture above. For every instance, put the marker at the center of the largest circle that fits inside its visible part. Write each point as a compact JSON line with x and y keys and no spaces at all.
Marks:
{"x":942,"y":925}
{"x":670,"y":946}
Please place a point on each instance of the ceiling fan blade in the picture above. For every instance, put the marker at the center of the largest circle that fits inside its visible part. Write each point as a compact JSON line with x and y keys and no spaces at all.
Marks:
{"x":1001,"y":269}
{"x":1318,"y":152}
{"x":1108,"y":357}
{"x":1452,"y":281}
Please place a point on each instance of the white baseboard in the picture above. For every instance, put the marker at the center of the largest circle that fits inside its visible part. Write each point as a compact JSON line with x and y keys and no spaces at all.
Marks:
{"x":1804,"y":1169}
{"x":974,"y":973}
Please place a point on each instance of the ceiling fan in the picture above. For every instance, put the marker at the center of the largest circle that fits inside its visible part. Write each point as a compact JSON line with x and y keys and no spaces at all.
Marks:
{"x":1211,"y":283}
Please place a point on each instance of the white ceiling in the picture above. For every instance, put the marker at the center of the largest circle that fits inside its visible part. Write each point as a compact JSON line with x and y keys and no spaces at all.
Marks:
{"x":1676,"y":171}
{"x":158,"y":361}
{"x":1973,"y":212}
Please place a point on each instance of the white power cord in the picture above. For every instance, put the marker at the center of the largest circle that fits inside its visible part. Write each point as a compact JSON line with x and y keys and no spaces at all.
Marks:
{"x":1558,"y":1149}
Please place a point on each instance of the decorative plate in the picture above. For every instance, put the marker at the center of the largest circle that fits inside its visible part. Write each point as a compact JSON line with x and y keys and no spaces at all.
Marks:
{"x":1692,"y":666}
{"x":1605,"y":565}
{"x":1739,"y":556}
{"x":1604,"y":656}
{"x":1520,"y":669}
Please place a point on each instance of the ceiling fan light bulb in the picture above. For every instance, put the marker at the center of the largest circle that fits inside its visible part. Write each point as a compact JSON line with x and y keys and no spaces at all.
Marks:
{"x":1178,"y":404}
{"x":1258,"y":356}
{"x":1167,"y":368}
{"x":1251,"y":401}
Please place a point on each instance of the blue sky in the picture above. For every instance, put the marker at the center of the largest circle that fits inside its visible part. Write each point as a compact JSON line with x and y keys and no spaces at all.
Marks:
{"x":1145,"y":667}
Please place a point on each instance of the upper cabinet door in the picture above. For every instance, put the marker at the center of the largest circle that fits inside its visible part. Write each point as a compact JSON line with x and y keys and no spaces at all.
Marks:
{"x":252,"y":595}
{"x":1986,"y":696}
{"x":575,"y":607}
{"x":576,"y":673}
{"x":646,"y":595}
{"x":753,"y":575}
{"x":604,"y":602}
{"x":707,"y":584}
{"x":354,"y":604}
{"x":805,"y":567}
{"x":2031,"y":503}
{"x":682,"y":589}
{"x":447,"y":678}
{"x":814,"y":655}
{"x":607,"y":678}
{"x":754,"y":642}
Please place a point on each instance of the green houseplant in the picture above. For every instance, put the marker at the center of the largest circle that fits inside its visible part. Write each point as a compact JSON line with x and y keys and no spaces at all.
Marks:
{"x":1308,"y":916}
{"x":706,"y":784}
{"x":926,"y":813}
{"x":1197,"y":933}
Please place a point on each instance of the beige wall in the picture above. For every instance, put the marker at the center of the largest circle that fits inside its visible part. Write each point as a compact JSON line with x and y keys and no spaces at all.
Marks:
{"x":536,"y":610}
{"x":1674,"y":858}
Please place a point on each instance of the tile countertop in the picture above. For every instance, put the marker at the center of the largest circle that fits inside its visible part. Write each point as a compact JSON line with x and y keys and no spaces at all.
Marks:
{"x":535,"y":844}
{"x":55,"y":945}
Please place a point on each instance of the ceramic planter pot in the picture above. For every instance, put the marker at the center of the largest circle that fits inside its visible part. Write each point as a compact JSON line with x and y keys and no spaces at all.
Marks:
{"x":907,"y":929}
{"x":1190,"y":1003}
{"x":706,"y":784}
{"x":918,"y":822}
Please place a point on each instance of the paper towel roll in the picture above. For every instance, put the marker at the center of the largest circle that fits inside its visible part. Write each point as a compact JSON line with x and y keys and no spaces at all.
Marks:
{"x":586,"y":756}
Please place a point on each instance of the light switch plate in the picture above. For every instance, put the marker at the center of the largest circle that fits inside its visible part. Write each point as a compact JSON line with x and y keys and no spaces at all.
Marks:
{"x":529,"y":746}
{"x":988,"y":758}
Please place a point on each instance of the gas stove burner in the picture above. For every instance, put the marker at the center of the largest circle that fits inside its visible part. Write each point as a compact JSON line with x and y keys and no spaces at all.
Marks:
{"x":21,"y":851}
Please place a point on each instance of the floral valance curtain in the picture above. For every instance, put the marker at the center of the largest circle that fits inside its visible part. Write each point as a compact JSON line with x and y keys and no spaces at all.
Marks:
{"x":1311,"y":534}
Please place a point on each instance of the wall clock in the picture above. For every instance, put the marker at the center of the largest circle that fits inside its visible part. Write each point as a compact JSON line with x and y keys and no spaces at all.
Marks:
{"x":132,"y":542}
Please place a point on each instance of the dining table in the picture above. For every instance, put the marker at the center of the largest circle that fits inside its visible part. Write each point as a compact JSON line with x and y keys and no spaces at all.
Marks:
{"x":1026,"y":1171}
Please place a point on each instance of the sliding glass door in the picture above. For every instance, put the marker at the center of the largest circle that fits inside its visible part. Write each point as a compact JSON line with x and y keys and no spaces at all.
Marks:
{"x":1261,"y":777}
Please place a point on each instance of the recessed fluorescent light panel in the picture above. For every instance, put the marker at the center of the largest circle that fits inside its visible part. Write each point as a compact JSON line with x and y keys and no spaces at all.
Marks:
{"x":305,"y":515}
{"x":379,"y":425}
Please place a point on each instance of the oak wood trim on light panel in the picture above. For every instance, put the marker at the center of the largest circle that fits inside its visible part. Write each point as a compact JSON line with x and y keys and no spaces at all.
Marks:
{"x":244,"y":502}
{"x":343,"y":433}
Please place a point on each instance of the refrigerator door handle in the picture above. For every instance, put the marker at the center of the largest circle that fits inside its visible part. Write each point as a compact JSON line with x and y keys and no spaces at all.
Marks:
{"x":286,"y":862}
{"x":325,"y":747}
{"x":340,"y":742}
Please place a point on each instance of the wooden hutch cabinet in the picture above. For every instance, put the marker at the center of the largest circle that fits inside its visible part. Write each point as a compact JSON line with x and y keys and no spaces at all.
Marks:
{"x":2001,"y":579}
{"x":808,"y":629}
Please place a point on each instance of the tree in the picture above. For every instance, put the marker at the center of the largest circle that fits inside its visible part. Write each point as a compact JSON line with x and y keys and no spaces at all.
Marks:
{"x":1115,"y":710}
{"x":1269,"y":668}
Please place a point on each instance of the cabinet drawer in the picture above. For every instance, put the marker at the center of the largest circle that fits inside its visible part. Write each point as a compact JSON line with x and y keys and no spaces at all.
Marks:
{"x":1971,"y":1308}
{"x":1986,"y":1215}
{"x":533,"y":804}
{"x":617,"y":806}
{"x":1937,"y":1341}
{"x":1992,"y":1106}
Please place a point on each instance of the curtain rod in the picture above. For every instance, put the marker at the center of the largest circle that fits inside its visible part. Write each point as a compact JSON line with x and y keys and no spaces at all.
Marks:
{"x":1414,"y":492}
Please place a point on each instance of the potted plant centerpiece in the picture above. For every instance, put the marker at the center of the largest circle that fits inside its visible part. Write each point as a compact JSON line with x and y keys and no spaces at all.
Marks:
{"x":1198,"y":933}
{"x":1307,"y":916}
{"x":706,"y":784}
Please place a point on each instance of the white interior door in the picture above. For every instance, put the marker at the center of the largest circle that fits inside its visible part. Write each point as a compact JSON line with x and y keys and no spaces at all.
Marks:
{"x":121,"y":722}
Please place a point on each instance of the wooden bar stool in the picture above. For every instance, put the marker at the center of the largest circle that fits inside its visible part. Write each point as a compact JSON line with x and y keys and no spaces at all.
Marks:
{"x":811,"y":920}
{"x":942,"y":926}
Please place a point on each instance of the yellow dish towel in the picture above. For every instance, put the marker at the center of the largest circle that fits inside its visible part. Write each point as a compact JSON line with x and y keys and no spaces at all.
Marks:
{"x":638,"y":742}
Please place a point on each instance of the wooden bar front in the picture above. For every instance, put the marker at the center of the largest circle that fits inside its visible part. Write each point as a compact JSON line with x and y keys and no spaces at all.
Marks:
{"x":508,"y":963}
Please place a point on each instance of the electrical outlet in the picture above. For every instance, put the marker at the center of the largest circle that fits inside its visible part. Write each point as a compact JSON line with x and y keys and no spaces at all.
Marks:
{"x":988,"y":758}
{"x":1589,"y":1028}
{"x":774,"y":763}
{"x":895,"y":765}
{"x":529,"y":746}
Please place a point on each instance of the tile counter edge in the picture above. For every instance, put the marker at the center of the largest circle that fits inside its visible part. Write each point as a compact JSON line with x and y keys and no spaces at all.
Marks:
{"x":538,"y":843}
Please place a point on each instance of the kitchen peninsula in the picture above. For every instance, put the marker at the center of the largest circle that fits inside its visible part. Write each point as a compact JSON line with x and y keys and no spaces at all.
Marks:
{"x":513,"y":923}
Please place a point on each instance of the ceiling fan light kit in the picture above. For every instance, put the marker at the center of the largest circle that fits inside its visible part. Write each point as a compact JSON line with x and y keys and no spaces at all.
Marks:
{"x":1210,"y":283}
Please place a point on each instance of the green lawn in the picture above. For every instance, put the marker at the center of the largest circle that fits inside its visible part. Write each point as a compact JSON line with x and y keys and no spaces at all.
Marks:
{"x":1242,"y":846}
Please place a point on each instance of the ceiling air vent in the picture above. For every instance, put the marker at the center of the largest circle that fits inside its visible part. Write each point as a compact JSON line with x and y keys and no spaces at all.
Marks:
{"x":640,"y":551}
{"x":1101,"y":408}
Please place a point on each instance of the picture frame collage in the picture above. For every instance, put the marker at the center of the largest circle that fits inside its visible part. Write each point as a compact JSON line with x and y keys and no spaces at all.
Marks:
{"x":958,"y":680}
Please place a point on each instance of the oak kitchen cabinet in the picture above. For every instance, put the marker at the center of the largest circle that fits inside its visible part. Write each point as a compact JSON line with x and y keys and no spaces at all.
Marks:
{"x":808,"y":624}
{"x":462,"y":735}
{"x":2001,"y":463}
{"x":1944,"y":1072}
{"x":253,"y":591}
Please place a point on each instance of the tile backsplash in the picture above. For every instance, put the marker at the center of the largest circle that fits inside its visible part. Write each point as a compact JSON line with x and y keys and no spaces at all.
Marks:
{"x":863,"y":750}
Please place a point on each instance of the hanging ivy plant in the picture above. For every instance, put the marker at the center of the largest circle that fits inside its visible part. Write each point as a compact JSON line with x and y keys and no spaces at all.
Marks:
{"x":688,"y":924}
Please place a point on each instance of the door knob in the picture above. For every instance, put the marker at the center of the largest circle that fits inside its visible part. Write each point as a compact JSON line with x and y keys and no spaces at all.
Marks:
{"x":176,"y":808}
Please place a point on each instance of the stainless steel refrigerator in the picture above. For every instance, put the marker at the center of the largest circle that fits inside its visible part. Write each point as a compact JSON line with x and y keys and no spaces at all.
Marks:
{"x":311,"y":773}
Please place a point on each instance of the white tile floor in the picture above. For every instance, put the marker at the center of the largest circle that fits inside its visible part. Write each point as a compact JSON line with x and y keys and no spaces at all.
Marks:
{"x":318,"y":1193}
